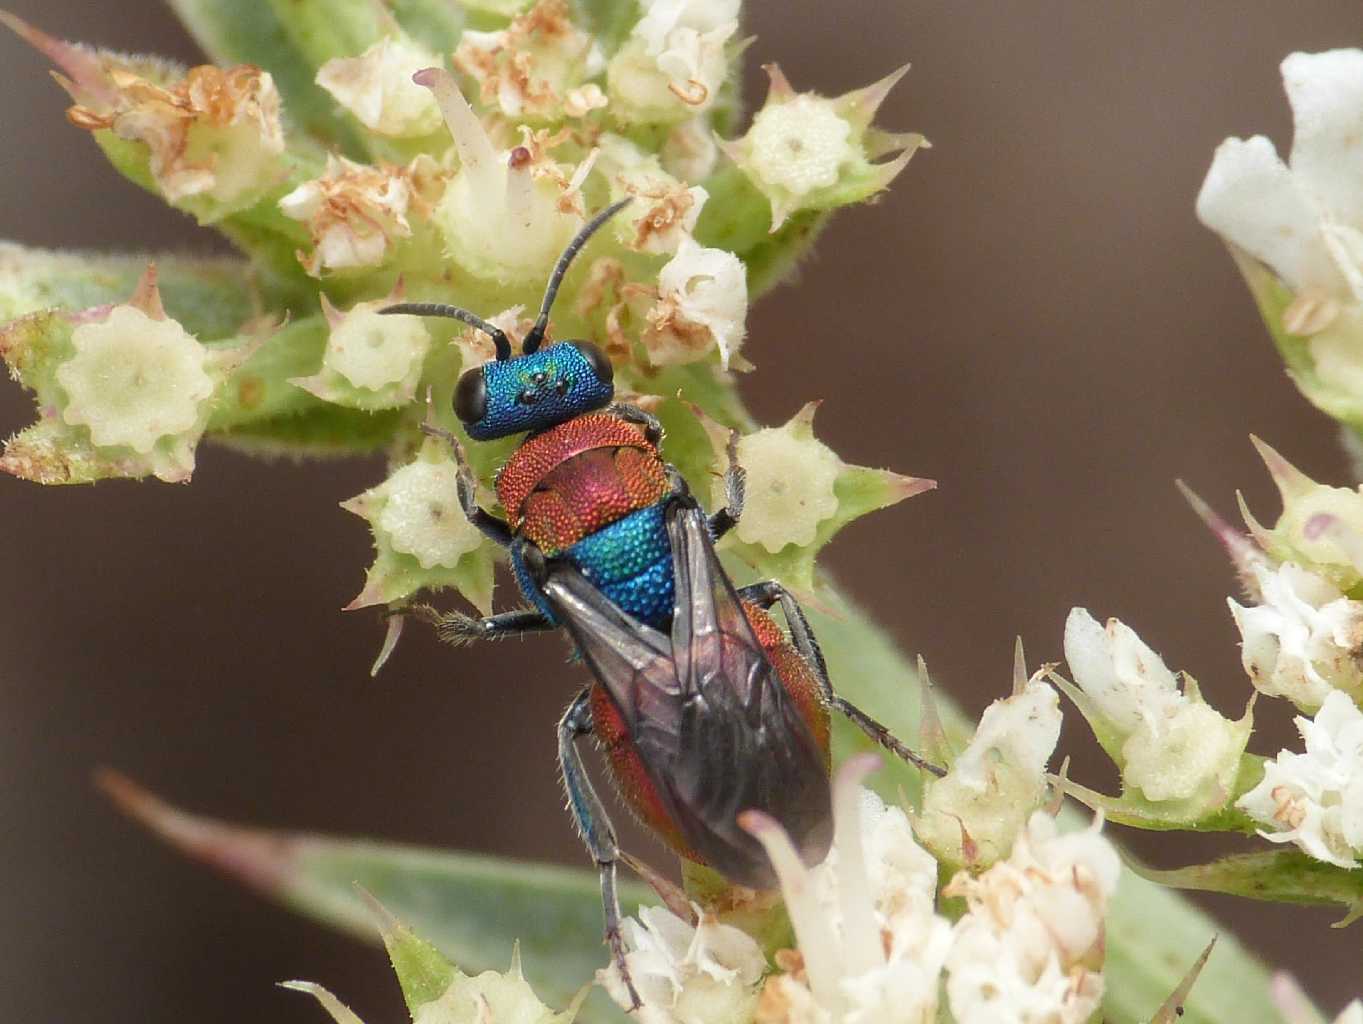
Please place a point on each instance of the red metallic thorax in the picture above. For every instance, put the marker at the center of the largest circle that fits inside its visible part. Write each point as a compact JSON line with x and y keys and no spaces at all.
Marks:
{"x":577,"y":477}
{"x":630,"y":777}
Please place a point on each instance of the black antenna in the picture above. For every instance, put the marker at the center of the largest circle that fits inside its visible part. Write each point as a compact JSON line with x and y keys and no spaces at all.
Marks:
{"x":498,"y":336}
{"x":536,"y":335}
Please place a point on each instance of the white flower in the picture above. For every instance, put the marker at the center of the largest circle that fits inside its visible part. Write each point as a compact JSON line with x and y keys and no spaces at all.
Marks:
{"x":1315,"y":799}
{"x":996,"y":783}
{"x":1301,"y":218}
{"x":673,"y":63}
{"x":871,"y":944}
{"x":1030,"y":949}
{"x":506,"y":216}
{"x":705,"y":973}
{"x":377,"y":87}
{"x":1303,"y":640}
{"x":356,"y":212}
{"x":702,"y":305}
{"x":1170,"y":745}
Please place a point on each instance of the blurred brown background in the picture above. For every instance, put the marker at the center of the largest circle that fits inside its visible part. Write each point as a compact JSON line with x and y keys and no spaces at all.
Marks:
{"x":1032,"y":316}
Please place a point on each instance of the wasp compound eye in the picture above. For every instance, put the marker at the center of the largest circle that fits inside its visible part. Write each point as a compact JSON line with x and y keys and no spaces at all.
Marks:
{"x":470,"y":397}
{"x":596,"y":359}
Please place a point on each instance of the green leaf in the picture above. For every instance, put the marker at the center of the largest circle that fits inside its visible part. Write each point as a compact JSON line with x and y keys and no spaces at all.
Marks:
{"x":321,"y":431}
{"x":474,"y":909}
{"x":1278,"y":876}
{"x":211,"y":296}
{"x":248,"y":32}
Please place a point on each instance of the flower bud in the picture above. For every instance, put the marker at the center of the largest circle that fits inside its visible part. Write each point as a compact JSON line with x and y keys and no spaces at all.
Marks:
{"x":1304,"y":640}
{"x":1171,"y":746}
{"x":377,"y":87}
{"x":421,"y":534}
{"x":371,"y":361}
{"x":972,"y":815}
{"x":804,"y":152}
{"x":1315,"y":799}
{"x":671,"y":67}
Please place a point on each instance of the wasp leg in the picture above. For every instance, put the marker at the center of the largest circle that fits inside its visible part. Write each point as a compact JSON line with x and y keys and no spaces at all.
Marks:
{"x":594,"y":825}
{"x":458,"y":629}
{"x":802,"y":635}
{"x":493,"y":528}
{"x":653,"y":427}
{"x":735,"y":484}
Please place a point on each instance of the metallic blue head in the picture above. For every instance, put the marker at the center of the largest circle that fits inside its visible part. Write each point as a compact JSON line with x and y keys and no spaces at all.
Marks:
{"x":531,"y":392}
{"x":536,"y":389}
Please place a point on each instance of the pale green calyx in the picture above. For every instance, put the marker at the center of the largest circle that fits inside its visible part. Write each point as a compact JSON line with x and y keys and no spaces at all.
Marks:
{"x":971,"y":816}
{"x":790,"y":483}
{"x":805,"y":152}
{"x":1170,"y":745}
{"x":371,"y":361}
{"x":422,"y":536}
{"x":1320,"y":528}
{"x":134,"y":379}
{"x":377,"y":87}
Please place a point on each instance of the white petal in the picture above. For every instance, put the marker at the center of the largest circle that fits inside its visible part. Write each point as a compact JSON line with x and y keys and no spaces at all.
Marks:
{"x":1326,"y":93}
{"x":1250,"y":198}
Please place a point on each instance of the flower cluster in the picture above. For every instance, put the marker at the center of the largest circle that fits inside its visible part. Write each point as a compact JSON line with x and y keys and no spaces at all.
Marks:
{"x":872,"y":945}
{"x":450,"y":164}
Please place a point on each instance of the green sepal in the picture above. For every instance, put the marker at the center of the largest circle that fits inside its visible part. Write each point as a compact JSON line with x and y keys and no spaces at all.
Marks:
{"x":1134,"y":810}
{"x":423,"y":972}
{"x":320,"y":431}
{"x":1273,"y":297}
{"x":1278,"y":876}
{"x":211,"y":296}
{"x":859,"y":490}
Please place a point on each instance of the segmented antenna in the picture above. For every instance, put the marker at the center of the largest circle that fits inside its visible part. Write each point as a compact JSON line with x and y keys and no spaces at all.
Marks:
{"x":536,"y":334}
{"x":499,"y":338}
